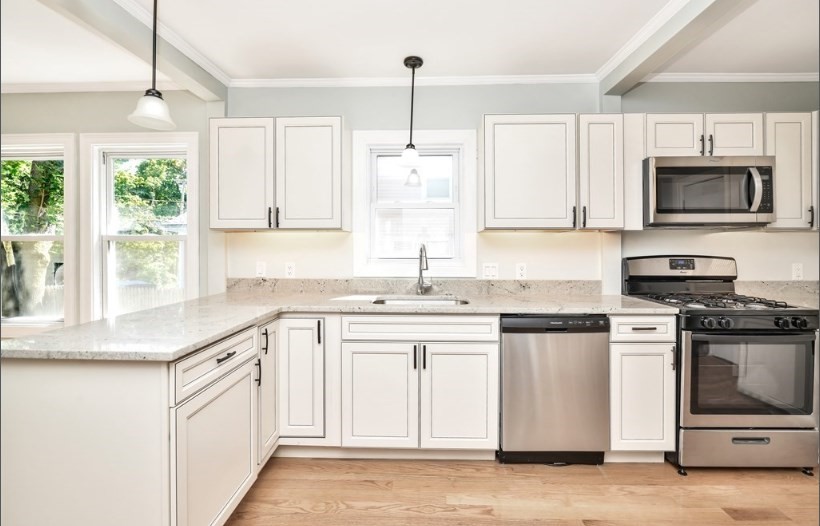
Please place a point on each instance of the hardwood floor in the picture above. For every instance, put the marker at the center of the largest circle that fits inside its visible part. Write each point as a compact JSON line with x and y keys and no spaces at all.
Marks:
{"x":300,"y":492}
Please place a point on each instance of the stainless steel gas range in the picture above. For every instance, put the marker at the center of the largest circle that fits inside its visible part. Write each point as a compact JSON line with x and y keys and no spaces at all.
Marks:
{"x":748,"y":377}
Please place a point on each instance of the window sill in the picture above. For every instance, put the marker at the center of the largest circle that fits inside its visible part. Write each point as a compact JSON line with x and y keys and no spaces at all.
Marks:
{"x":14,"y":329}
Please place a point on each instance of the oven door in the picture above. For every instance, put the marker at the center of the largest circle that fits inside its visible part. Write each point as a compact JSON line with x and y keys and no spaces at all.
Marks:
{"x":749,"y":380}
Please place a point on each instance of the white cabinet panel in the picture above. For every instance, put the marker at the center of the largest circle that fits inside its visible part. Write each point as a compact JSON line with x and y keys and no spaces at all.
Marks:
{"x":734,"y":134}
{"x":216,"y":449}
{"x":634,"y":154}
{"x":459,"y":396}
{"x":788,"y":138}
{"x":642,"y":396}
{"x":309,"y":172}
{"x":815,"y":170}
{"x":301,"y":378}
{"x":380,"y":395}
{"x":241,"y":152}
{"x":674,"y":134}
{"x":601,"y":171}
{"x":268,"y":413}
{"x":529,"y":170}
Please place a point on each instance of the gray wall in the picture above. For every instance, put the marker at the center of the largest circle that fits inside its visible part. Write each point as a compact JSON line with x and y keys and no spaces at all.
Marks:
{"x":722,"y":97}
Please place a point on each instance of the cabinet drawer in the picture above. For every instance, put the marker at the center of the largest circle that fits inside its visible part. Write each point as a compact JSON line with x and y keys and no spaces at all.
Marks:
{"x":418,"y":328}
{"x":200,"y":369}
{"x":642,"y":329}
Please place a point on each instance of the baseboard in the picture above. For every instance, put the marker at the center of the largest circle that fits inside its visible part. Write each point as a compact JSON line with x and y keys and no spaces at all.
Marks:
{"x":373,"y":453}
{"x":653,"y":457}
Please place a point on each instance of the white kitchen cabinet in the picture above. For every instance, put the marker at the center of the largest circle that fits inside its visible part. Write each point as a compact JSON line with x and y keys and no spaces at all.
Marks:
{"x":301,"y":377}
{"x":601,"y":171}
{"x":267,"y":387}
{"x":283,"y":172}
{"x":215,"y":448}
{"x":788,"y":138}
{"x":529,"y":171}
{"x":815,"y":170}
{"x":242,"y":182}
{"x":693,"y":134}
{"x":634,"y":154}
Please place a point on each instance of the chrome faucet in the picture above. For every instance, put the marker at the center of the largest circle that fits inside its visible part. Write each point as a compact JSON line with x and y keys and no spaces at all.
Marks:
{"x":422,"y":287}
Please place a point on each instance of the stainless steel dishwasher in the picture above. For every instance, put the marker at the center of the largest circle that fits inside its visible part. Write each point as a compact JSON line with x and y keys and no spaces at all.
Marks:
{"x":554,"y":389}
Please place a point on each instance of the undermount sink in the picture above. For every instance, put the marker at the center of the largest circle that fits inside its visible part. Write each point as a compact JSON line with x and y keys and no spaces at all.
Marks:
{"x":419,"y":300}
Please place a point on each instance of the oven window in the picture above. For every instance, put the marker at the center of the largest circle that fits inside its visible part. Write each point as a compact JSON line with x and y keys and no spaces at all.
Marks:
{"x":703,"y":189}
{"x":752,"y":375}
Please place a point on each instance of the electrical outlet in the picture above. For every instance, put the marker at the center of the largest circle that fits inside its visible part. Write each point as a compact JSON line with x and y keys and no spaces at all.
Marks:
{"x":290,"y":270}
{"x":261,"y":269}
{"x":490,"y":271}
{"x":520,"y":271}
{"x":797,"y":271}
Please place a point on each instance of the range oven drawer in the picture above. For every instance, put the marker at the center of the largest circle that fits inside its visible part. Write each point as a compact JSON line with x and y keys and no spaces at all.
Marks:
{"x":758,"y":448}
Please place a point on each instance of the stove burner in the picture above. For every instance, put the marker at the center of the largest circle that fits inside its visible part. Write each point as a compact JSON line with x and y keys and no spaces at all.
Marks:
{"x":720,"y":301}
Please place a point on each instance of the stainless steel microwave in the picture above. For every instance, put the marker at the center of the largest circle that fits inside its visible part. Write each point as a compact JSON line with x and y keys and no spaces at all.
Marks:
{"x":708,"y":191}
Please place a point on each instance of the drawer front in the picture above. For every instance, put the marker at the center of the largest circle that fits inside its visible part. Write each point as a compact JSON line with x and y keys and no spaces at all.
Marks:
{"x":421,"y":328}
{"x":642,"y":329}
{"x":200,"y":369}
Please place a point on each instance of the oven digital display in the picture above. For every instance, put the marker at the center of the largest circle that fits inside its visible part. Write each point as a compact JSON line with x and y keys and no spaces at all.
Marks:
{"x":682,"y":264}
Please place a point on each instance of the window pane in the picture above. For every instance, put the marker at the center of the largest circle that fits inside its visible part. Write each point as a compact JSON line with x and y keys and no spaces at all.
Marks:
{"x":31,"y":192}
{"x":398,"y":233}
{"x":149,"y":196}
{"x":145,"y":274}
{"x":435,"y":173}
{"x":31,"y":280}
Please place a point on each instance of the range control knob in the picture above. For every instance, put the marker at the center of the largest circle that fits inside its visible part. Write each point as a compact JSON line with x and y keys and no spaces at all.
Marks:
{"x":800,"y":322}
{"x":710,"y":323}
{"x":783,"y":323}
{"x":726,"y":323}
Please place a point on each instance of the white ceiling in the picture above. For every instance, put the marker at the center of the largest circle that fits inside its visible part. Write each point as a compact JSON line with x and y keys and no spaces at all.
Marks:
{"x":243,"y":42}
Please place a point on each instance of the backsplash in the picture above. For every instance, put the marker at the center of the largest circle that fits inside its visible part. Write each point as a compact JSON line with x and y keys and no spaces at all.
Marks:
{"x":801,"y":293}
{"x":457,"y":287}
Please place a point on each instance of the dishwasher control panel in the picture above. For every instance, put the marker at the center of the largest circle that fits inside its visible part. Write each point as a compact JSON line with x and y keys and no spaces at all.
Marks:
{"x":541,"y":323}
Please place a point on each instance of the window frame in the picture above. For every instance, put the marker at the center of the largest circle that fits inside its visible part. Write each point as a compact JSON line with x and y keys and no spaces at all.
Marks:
{"x":16,"y":146}
{"x":367,"y":145}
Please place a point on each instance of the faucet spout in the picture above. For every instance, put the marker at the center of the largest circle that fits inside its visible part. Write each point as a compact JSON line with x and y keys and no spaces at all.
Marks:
{"x":421,"y":286}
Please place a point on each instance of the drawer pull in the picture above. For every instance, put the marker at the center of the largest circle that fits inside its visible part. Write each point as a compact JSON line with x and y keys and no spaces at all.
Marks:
{"x":761,"y":441}
{"x":636,"y":329}
{"x":227,"y":356}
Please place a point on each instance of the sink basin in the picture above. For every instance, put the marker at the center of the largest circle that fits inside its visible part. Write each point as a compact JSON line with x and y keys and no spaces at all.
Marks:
{"x":419,"y":300}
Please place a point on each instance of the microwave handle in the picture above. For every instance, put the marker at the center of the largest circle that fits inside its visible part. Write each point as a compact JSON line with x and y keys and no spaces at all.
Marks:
{"x":757,"y":183}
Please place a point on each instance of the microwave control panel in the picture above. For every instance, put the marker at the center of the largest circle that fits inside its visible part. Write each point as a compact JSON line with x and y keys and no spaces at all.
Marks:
{"x":767,"y":202}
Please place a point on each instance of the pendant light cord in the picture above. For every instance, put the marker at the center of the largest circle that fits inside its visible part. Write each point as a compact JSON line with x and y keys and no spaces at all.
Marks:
{"x":154,"y":54}
{"x":412,"y":99}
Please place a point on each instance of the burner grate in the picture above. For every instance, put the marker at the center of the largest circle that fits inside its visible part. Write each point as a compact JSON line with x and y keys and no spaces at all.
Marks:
{"x":719,"y":301}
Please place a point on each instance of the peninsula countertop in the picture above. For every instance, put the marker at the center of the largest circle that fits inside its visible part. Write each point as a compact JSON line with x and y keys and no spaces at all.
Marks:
{"x":170,"y":332}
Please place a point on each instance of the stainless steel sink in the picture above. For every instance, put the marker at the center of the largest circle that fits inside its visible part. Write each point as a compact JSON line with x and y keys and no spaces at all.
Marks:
{"x":419,"y":300}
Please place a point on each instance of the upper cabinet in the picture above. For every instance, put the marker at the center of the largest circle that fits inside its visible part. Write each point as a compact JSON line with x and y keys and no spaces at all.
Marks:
{"x":788,"y":138}
{"x":601,"y":170}
{"x":529,"y":171}
{"x":815,"y":169}
{"x":288,"y":179}
{"x":693,"y":134}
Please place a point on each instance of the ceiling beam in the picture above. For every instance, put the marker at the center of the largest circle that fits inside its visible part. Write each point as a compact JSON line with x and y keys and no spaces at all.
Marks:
{"x":110,"y":20}
{"x":685,"y":23}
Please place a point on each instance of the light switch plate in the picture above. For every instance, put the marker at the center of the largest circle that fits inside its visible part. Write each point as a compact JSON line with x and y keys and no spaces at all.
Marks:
{"x":290,"y":270}
{"x":797,"y":271}
{"x":261,"y":269}
{"x":520,"y":271}
{"x":489,"y":271}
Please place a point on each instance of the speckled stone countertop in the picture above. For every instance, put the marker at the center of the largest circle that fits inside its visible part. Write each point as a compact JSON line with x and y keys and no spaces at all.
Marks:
{"x":168,"y":333}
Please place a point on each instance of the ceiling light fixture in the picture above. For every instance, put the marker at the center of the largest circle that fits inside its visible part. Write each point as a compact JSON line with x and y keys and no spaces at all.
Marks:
{"x":410,"y":157}
{"x":152,"y":111}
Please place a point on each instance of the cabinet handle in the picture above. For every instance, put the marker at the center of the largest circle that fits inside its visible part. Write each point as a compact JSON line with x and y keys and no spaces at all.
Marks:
{"x":259,"y":379}
{"x":415,"y":356}
{"x":644,"y":329}
{"x":702,"y":146}
{"x":574,"y":217}
{"x":277,"y":217}
{"x":270,"y":222}
{"x":584,"y":214}
{"x":318,"y":331}
{"x":674,"y":356}
{"x":265,"y":332}
{"x":711,"y":145}
{"x":811,"y":215}
{"x":424,"y":357}
{"x":227,"y":356}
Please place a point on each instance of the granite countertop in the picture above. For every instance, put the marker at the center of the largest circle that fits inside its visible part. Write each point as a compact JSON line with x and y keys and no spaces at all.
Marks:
{"x":168,"y":333}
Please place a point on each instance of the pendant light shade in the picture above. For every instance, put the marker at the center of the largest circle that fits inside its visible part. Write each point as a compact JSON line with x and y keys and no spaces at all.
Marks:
{"x":152,"y":111}
{"x":413,"y":178}
{"x":410,"y":157}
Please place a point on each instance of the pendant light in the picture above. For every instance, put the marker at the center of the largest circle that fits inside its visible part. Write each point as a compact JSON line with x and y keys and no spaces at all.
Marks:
{"x":152,"y":111}
{"x":410,"y":157}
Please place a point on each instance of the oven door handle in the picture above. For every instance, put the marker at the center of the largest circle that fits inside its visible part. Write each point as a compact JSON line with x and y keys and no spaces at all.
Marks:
{"x":757,"y":184}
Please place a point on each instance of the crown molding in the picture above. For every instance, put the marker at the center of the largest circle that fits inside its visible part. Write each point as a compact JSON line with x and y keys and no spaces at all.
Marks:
{"x":358,"y":82}
{"x":84,"y":87}
{"x":733,"y":77}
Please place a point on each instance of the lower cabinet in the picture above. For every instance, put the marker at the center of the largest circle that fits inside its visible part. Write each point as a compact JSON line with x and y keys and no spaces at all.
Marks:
{"x":215,"y":449}
{"x":429,"y":395}
{"x":267,"y":386}
{"x":301,"y":352}
{"x":642,"y":396}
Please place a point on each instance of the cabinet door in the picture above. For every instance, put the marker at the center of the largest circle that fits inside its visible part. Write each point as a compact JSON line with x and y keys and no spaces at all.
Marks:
{"x":216,"y":449}
{"x":529,"y":171}
{"x":268,"y":412}
{"x":380,"y":394}
{"x":309,"y":172}
{"x":241,"y":173}
{"x":301,"y":378}
{"x":788,"y":138}
{"x":459,"y":395}
{"x":734,"y":134}
{"x":674,"y":134}
{"x":815,"y":170}
{"x":642,"y":396}
{"x":601,"y":171}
